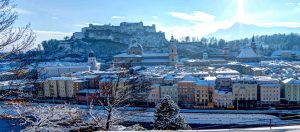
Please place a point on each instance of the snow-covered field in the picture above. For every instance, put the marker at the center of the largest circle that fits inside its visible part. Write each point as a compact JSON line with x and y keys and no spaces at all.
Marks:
{"x":194,"y":117}
{"x":224,"y":119}
{"x":293,"y":128}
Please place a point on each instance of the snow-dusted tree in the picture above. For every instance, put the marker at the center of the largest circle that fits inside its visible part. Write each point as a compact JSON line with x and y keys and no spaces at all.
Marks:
{"x":49,"y":117}
{"x":136,"y":127}
{"x":116,"y":93}
{"x":14,"y":41}
{"x":167,"y":116}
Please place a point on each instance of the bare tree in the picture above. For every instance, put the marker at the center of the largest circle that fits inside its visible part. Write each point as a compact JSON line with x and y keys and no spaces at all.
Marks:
{"x":14,"y":40}
{"x":48,"y":117}
{"x":116,"y":93}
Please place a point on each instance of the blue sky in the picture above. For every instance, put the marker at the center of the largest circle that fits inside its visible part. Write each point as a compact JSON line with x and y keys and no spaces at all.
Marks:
{"x":58,"y":18}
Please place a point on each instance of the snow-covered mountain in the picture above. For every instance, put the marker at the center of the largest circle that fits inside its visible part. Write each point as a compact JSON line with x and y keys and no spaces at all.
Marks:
{"x":241,"y":30}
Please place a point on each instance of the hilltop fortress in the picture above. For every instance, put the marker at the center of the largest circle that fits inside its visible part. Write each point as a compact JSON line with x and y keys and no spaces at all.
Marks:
{"x":124,"y":33}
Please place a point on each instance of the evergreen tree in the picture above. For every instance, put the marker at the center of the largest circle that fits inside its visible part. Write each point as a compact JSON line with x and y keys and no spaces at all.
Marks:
{"x":167,"y":116}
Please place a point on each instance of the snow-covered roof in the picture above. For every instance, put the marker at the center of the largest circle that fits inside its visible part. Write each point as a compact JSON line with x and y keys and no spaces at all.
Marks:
{"x":61,"y":64}
{"x":195,"y":60}
{"x":291,"y":81}
{"x":169,"y":77}
{"x":265,"y":78}
{"x":90,"y":76}
{"x":127,"y":55}
{"x":188,"y":78}
{"x":154,"y":60}
{"x":270,"y":85}
{"x":247,"y":53}
{"x":223,"y":92}
{"x":6,"y":73}
{"x":202,"y":82}
{"x":89,"y":91}
{"x":227,"y":72}
{"x":80,"y":81}
{"x":155,"y":85}
{"x":278,"y":53}
{"x":62,"y":78}
{"x":212,"y":78}
{"x":155,"y":54}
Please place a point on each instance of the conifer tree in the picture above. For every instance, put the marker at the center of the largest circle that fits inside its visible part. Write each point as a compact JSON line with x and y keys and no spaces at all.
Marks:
{"x":167,"y":116}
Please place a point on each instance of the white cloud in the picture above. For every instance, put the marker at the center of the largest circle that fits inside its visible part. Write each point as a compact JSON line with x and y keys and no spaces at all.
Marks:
{"x":54,"y":18}
{"x":118,"y":17}
{"x":196,"y":30}
{"x":203,"y":24}
{"x":81,"y":25}
{"x":22,"y":11}
{"x":86,"y":24}
{"x":279,"y":24}
{"x":154,"y":17}
{"x":289,"y":3}
{"x":197,"y":16}
{"x":292,"y":3}
{"x":46,"y":35}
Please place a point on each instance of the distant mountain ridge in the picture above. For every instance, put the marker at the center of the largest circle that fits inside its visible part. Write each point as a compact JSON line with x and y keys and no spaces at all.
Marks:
{"x":242,"y":30}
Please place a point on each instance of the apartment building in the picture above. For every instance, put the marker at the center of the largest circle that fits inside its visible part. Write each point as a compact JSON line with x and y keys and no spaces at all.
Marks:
{"x":291,"y":90}
{"x":60,"y":87}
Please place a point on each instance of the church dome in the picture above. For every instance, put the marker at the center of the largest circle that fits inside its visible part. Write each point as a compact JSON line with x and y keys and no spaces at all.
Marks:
{"x":91,"y":54}
{"x":135,"y":48}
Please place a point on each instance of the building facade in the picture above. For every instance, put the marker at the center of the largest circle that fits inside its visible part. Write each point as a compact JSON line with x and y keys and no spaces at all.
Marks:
{"x":204,"y":91}
{"x":223,"y":99}
{"x":60,"y":87}
{"x":186,"y":91}
{"x":269,"y":93}
{"x":291,"y":90}
{"x":171,"y":91}
{"x":244,"y":92}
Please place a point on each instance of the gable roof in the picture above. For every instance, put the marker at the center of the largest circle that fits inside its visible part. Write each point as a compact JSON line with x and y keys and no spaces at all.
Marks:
{"x":247,"y":53}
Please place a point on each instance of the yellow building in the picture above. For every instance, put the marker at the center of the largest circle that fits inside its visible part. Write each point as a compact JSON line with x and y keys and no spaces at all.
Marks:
{"x":223,"y":99}
{"x":244,"y":90}
{"x":203,"y":94}
{"x":60,"y":87}
{"x":291,"y":89}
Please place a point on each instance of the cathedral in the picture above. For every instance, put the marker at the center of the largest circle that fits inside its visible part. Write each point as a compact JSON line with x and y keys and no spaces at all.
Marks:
{"x":136,"y":57}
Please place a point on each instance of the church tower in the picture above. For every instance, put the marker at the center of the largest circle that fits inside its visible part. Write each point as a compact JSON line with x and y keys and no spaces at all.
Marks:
{"x":253,"y":44}
{"x":225,"y":51}
{"x":93,"y":62}
{"x":173,"y":56}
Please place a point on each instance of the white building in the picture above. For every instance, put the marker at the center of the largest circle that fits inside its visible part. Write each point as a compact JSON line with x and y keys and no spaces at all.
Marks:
{"x":222,"y":99}
{"x":56,"y":69}
{"x":92,"y":61}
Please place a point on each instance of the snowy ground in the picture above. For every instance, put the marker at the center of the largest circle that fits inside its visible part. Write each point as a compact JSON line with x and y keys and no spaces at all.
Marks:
{"x":215,"y":117}
{"x":224,"y":119}
{"x":294,"y":128}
